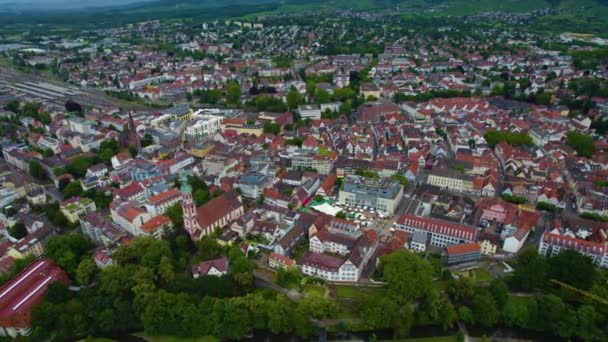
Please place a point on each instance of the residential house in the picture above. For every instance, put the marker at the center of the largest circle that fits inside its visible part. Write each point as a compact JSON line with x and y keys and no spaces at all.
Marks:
{"x":75,"y":207}
{"x":216,"y":267}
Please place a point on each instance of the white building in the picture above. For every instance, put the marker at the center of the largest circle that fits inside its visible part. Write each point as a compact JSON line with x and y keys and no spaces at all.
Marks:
{"x":442,"y":233}
{"x":202,"y":126}
{"x":310,"y":111}
{"x":329,"y":268}
{"x":418,"y":243}
{"x":128,"y":216}
{"x":515,"y":242}
{"x":354,"y":254}
{"x":383,"y":195}
{"x":557,"y":240}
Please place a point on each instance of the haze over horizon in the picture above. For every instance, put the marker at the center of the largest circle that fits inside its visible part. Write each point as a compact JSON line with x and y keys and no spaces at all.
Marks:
{"x":63,"y":4}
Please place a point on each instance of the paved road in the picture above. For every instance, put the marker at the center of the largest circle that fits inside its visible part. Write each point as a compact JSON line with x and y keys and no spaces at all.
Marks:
{"x":260,"y":281}
{"x":53,"y":192}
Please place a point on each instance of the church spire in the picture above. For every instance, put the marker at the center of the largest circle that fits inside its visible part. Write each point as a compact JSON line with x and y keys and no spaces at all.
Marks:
{"x":133,"y":139}
{"x":188,"y":207}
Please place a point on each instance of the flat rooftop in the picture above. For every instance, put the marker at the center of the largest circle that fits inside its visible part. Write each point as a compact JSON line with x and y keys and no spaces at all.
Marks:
{"x":377,"y":187}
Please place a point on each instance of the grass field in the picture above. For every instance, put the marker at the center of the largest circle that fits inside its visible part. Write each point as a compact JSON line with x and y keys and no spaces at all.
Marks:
{"x":317,"y":290}
{"x":477,"y":274}
{"x":344,"y":291}
{"x":482,"y":275}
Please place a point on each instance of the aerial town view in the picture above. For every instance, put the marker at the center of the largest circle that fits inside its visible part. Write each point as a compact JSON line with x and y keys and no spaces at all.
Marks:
{"x":304,"y":170}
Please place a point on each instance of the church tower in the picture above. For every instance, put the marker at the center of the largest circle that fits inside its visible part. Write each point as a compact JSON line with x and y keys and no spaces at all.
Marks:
{"x":188,"y":207}
{"x":133,"y":139}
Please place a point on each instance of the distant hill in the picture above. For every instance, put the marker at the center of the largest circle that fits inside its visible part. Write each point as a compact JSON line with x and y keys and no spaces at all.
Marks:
{"x":574,"y":15}
{"x":25,"y":5}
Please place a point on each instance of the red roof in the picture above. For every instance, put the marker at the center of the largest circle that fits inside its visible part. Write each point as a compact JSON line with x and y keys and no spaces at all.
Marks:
{"x":24,"y":291}
{"x":321,"y":261}
{"x":127,"y":210}
{"x":463,"y":248}
{"x":329,"y":182}
{"x":211,"y":212}
{"x":165,"y":196}
{"x":220,"y":264}
{"x":130,"y":190}
{"x":580,"y":245}
{"x":281,"y":259}
{"x":438,"y":226}
{"x":155,"y":223}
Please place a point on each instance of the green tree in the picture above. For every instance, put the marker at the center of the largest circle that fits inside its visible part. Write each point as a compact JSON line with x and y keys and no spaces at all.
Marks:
{"x":234,"y":321}
{"x":272,"y":128}
{"x":17,"y":231}
{"x":147,"y":140}
{"x":45,"y":118}
{"x":36,"y":170}
{"x":288,"y":277}
{"x":13,"y":106}
{"x":293,"y":99}
{"x":447,"y":315}
{"x":233,"y":93}
{"x":78,"y":167}
{"x":68,"y":250}
{"x":401,"y":179}
{"x":543,"y":98}
{"x":409,"y":276}
{"x":280,"y":313}
{"x":341,"y":215}
{"x":311,"y":87}
{"x":587,"y":323}
{"x":200,"y":196}
{"x":573,"y":268}
{"x":132,"y":151}
{"x":500,"y":292}
{"x":461,"y":289}
{"x":175,"y":213}
{"x":166,"y":272}
{"x":581,"y":143}
{"x":315,"y":307}
{"x":208,"y":248}
{"x":531,"y":274}
{"x":555,"y":316}
{"x":85,"y":271}
{"x":73,"y":189}
{"x":516,"y":313}
{"x":493,"y":137}
{"x":48,"y":153}
{"x":321,"y":96}
{"x":484,"y":308}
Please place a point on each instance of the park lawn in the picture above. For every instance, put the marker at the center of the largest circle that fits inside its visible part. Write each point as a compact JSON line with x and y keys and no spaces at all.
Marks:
{"x":177,"y":339}
{"x":482,"y":275}
{"x":316,"y":290}
{"x":345,"y":291}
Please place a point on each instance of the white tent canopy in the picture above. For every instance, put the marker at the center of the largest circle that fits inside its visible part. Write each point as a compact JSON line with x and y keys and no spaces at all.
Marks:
{"x":328,"y":209}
